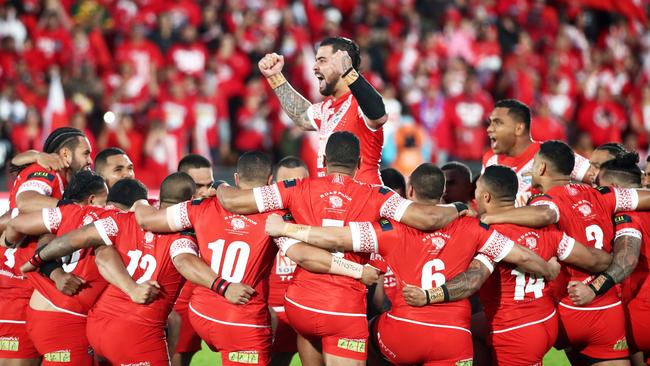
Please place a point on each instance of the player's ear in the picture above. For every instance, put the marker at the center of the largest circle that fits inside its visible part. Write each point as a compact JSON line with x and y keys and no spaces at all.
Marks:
{"x":269,"y":180}
{"x":410,"y":192}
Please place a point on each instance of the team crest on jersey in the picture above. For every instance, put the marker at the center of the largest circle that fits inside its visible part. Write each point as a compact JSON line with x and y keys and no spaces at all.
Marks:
{"x":585,"y":210}
{"x":438,"y":243}
{"x":572,"y":191}
{"x":237,"y":223}
{"x":531,"y":242}
{"x":437,"y":240}
{"x":148,"y":237}
{"x":336,"y":202}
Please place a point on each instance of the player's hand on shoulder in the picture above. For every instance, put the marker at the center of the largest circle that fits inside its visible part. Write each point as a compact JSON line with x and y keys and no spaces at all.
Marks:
{"x":414,"y":296}
{"x":554,"y":268}
{"x":271,"y":64}
{"x":370,"y":275}
{"x":239,"y":293}
{"x":580,"y":293}
{"x":274,"y":225}
{"x":66,"y":283}
{"x":51,"y":161}
{"x":144,"y":293}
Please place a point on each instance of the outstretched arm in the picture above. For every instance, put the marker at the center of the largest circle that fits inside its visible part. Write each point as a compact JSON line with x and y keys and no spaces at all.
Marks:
{"x":431,"y":217}
{"x":530,"y":216}
{"x":528,"y":261}
{"x":48,"y":161}
{"x":330,"y":238}
{"x":151,"y":218}
{"x":30,"y":201}
{"x":25,"y":224}
{"x":239,"y":201}
{"x":587,"y":258}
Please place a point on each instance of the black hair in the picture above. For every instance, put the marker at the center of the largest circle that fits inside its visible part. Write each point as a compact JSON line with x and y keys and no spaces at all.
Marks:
{"x":102,"y":157}
{"x":393,"y":179}
{"x":126,"y":191}
{"x":559,"y":155}
{"x":501,"y":182}
{"x":84,"y":184}
{"x":62,"y":137}
{"x":344,"y":44}
{"x":623,"y":169}
{"x":613,"y":148}
{"x":343,"y":150}
{"x":428,"y":181}
{"x":517,"y":110}
{"x":291,"y":162}
{"x":254,"y":166}
{"x":459,"y":167}
{"x":193,"y":161}
{"x":177,"y":187}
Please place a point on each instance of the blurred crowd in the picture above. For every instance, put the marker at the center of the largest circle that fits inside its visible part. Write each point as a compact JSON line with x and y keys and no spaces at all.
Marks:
{"x":161,"y":78}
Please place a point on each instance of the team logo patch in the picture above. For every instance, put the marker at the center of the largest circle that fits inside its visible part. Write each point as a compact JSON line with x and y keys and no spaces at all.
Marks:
{"x":237,"y":224}
{"x":385,"y":225}
{"x":9,"y":344}
{"x":197,"y":201}
{"x":621,"y":345}
{"x":289,"y":183}
{"x":42,"y":175}
{"x":62,"y":356}
{"x":355,"y":345}
{"x":384,"y":190}
{"x":247,"y":357}
{"x":622,"y":219}
{"x":585,"y":210}
{"x":335,"y":202}
{"x":468,"y":362}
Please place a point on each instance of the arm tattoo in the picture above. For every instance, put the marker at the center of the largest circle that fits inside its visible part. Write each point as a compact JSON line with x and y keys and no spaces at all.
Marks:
{"x":626,"y":256}
{"x":67,"y":244}
{"x":468,"y":282}
{"x":295,"y":105}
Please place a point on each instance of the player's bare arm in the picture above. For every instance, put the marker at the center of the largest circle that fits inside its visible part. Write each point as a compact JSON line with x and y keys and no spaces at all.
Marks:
{"x":195,"y":270}
{"x":24,"y":224}
{"x":528,"y":261}
{"x":432,"y":217}
{"x":293,"y":104}
{"x":460,"y":287}
{"x":30,"y":201}
{"x":111,"y":267}
{"x":530,"y":216}
{"x":370,"y":101}
{"x":150,"y":218}
{"x":48,"y":161}
{"x":331,"y":238}
{"x":4,"y":221}
{"x":625,"y":259}
{"x":587,"y":258}
{"x":239,"y":201}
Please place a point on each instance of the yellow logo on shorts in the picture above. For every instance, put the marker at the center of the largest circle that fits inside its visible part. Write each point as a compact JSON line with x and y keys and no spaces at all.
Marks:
{"x":58,"y":356}
{"x":468,"y":362}
{"x":621,"y":345}
{"x":9,"y":344}
{"x":248,"y":357}
{"x":355,"y":345}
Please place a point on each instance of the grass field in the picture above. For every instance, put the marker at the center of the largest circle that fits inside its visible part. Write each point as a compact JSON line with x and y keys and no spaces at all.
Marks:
{"x":209,"y":358}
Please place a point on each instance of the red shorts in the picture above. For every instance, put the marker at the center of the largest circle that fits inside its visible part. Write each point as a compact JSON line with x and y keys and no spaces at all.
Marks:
{"x":598,"y":334}
{"x":14,"y":339}
{"x":340,"y":335}
{"x":125,"y":342}
{"x":637,"y":317}
{"x":513,"y":346}
{"x":284,"y":339}
{"x":188,"y":339}
{"x":59,"y":337}
{"x":237,"y":343}
{"x":403,"y":342}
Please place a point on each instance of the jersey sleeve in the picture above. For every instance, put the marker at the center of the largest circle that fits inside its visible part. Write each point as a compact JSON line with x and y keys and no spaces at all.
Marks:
{"x":181,"y":215}
{"x":42,"y":182}
{"x":277,"y":196}
{"x":107,"y":229}
{"x":619,"y":199}
{"x":283,"y":243}
{"x":185,"y":244}
{"x":627,"y":224}
{"x":580,"y":168}
{"x":545,"y":200}
{"x":378,"y":237}
{"x":391,"y":205}
{"x":487,"y":262}
{"x":494,"y":245}
{"x":315,"y":115}
{"x":564,"y":246}
{"x":52,"y":218}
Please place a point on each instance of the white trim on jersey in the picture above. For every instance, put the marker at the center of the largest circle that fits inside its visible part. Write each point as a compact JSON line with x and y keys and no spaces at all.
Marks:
{"x":565,"y":247}
{"x":550,"y":205}
{"x":580,"y":168}
{"x":487,"y":262}
{"x":177,"y":218}
{"x":310,"y":116}
{"x":51,"y":218}
{"x":60,"y":309}
{"x":36,"y":186}
{"x":627,"y":199}
{"x":629,"y":232}
{"x":324,"y":311}
{"x":588,"y":308}
{"x":13,"y":321}
{"x":226,"y":323}
{"x":278,"y":309}
{"x":524,"y":325}
{"x":99,"y":226}
{"x":428,"y":324}
{"x":283,"y":243}
{"x":183,"y":246}
{"x":364,"y":238}
{"x":497,"y":247}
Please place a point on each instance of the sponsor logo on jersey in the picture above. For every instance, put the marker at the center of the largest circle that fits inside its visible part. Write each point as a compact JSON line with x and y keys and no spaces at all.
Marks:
{"x":385,"y":225}
{"x":9,"y":344}
{"x":468,"y":362}
{"x":247,"y":357}
{"x":621,"y":345}
{"x":58,"y":356}
{"x":622,"y":219}
{"x":41,"y":175}
{"x":284,"y":265}
{"x":355,"y":345}
{"x":289,"y":183}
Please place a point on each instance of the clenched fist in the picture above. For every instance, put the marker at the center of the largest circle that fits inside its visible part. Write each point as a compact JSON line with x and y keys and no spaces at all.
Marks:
{"x":271,"y":64}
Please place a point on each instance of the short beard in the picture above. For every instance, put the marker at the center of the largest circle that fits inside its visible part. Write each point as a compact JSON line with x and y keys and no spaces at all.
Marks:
{"x":329,"y":89}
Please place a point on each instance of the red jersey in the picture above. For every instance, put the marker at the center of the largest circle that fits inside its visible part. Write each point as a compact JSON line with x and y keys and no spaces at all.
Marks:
{"x":333,"y":200}
{"x":523,"y":165}
{"x":238,"y":249}
{"x":38,"y":179}
{"x":585,"y":213}
{"x":636,"y":224}
{"x":511,"y":297}
{"x":465,"y":115}
{"x":427,"y":259}
{"x":147,"y":256}
{"x":59,"y":221}
{"x":344,"y":114}
{"x":280,"y":278}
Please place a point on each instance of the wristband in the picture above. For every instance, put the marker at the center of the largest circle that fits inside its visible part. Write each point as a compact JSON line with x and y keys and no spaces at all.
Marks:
{"x":428,"y":295}
{"x":445,"y":293}
{"x":276,"y":80}
{"x":460,"y":206}
{"x":36,"y":259}
{"x":49,"y":267}
{"x":219,"y":285}
{"x":347,"y":72}
{"x":605,"y":285}
{"x":350,"y":76}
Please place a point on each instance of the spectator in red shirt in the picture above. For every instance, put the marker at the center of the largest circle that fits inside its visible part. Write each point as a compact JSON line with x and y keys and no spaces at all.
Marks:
{"x":603,"y":118}
{"x":124,"y":135}
{"x":141,"y":53}
{"x":27,"y":135}
{"x":545,"y":126}
{"x":189,"y":56}
{"x":53,"y":40}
